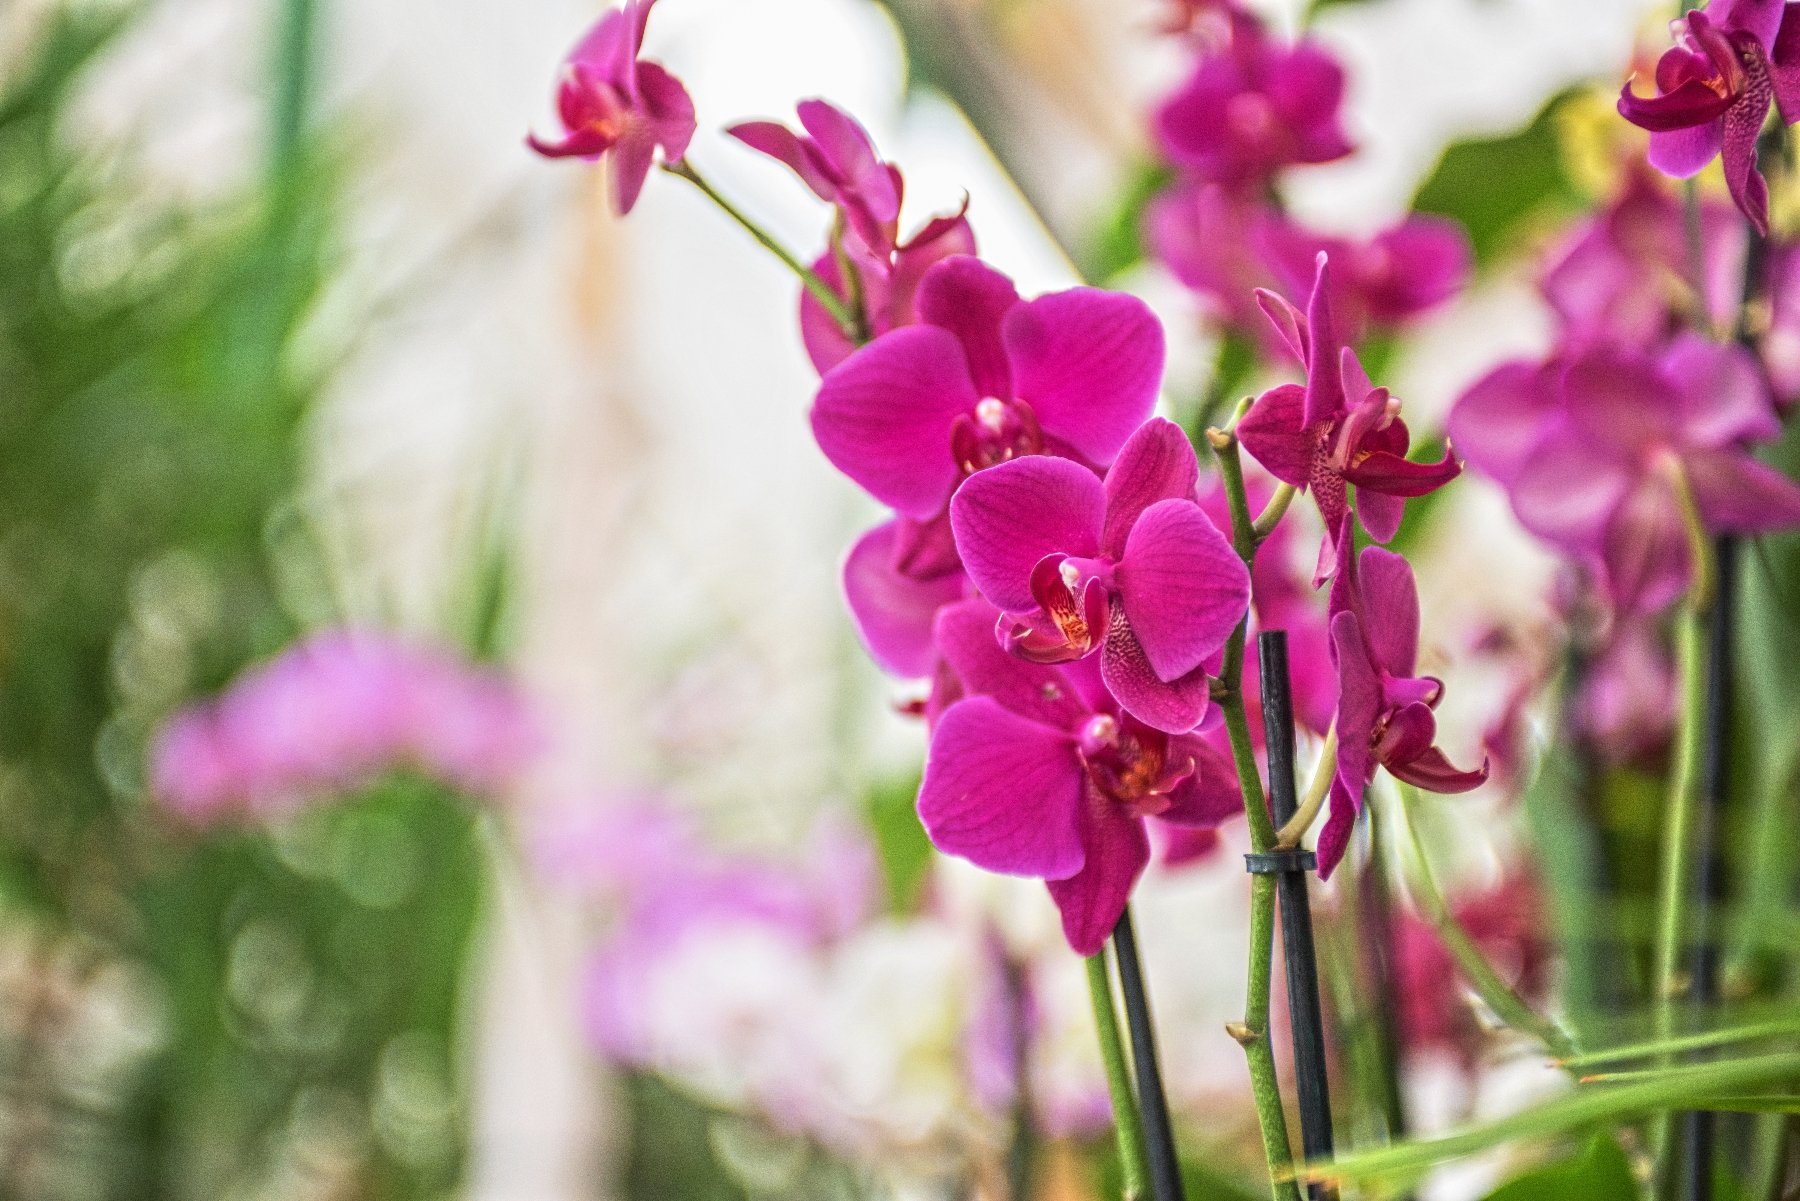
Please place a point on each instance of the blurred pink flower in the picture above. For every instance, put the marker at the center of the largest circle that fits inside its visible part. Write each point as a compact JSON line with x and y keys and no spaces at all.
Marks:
{"x":329,"y":715}
{"x":1730,"y":62}
{"x":613,"y":103}
{"x":1253,"y":106}
{"x":1505,"y":922}
{"x":1036,"y":771}
{"x":1587,"y":445}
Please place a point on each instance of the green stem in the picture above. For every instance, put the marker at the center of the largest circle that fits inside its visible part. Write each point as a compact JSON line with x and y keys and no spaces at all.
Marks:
{"x":1663,"y":1049}
{"x":1253,"y":1033}
{"x":1274,"y":511}
{"x":832,"y":303}
{"x":1127,"y":1122}
{"x":1489,"y":985}
{"x":1586,"y":1106}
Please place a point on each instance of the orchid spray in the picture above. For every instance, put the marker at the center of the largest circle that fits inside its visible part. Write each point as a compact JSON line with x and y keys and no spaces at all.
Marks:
{"x":1073,"y":590}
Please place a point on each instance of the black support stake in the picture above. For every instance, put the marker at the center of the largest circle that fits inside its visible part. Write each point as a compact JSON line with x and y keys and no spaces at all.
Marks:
{"x":1153,"y":1105}
{"x":1296,"y":911}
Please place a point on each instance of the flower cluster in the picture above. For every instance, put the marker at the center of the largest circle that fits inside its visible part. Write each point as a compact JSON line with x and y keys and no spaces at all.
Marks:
{"x":1253,"y":109}
{"x":330,"y":715}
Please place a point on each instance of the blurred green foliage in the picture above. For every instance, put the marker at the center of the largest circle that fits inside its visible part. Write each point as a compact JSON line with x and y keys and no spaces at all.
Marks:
{"x":288,"y":1003}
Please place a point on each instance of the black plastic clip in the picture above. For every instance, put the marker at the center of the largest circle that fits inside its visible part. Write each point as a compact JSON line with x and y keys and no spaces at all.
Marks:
{"x":1270,"y":863}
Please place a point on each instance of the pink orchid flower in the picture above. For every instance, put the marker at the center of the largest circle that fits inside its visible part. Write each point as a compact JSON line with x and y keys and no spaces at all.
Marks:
{"x":1337,"y":430}
{"x":1587,"y":446}
{"x":1384,"y":713}
{"x":1132,"y":569}
{"x":613,"y":103}
{"x":1714,"y":87}
{"x":837,"y":160}
{"x":985,"y":377}
{"x":889,"y":284}
{"x":1253,"y":106}
{"x":1036,"y":771}
{"x":1400,"y":273}
{"x":893,"y":602}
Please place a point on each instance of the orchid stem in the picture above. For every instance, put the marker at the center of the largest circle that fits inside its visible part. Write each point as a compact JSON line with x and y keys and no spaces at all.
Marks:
{"x":1317,"y":789}
{"x":829,"y":300}
{"x":1127,"y":1123}
{"x":1489,"y":985}
{"x":1253,"y":1032}
{"x":1274,"y":511}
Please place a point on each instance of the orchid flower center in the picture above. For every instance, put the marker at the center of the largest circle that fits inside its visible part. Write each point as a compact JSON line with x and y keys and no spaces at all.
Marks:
{"x":1250,"y":115}
{"x":998,"y":430}
{"x":1128,"y":763}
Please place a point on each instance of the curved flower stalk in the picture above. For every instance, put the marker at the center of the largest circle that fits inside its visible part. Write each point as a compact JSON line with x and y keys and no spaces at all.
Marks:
{"x":614,"y":105}
{"x":1731,"y":61}
{"x":1336,"y":431}
{"x":1384,"y":713}
{"x":1131,"y":569}
{"x":330,"y":715}
{"x":1035,"y":770}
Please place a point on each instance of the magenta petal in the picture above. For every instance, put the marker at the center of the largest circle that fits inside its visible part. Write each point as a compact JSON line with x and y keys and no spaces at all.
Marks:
{"x":1003,"y":792}
{"x":1723,"y":396}
{"x":1359,"y":704}
{"x":1431,"y":771}
{"x":1646,"y":551}
{"x":670,"y":107}
{"x":970,"y":299}
{"x":1761,"y":19}
{"x":1157,"y":463}
{"x":1173,"y":707}
{"x":1390,"y":609}
{"x":1009,"y":517}
{"x":1324,"y":373}
{"x":1684,"y":153}
{"x":1743,"y":125}
{"x":632,"y":158}
{"x":1089,"y":362}
{"x":883,"y":417}
{"x":1384,"y":471}
{"x":1567,"y":493}
{"x":1784,"y":65}
{"x":1092,"y":901}
{"x":965,"y":638}
{"x":1502,"y":419}
{"x":783,"y":145}
{"x":1737,"y":494}
{"x":1692,"y":104}
{"x":1287,"y":320}
{"x":1182,"y":587}
{"x":1380,"y":513}
{"x":1340,"y":823}
{"x":1274,"y":434}
{"x":893,"y":612}
{"x":1210,"y":795}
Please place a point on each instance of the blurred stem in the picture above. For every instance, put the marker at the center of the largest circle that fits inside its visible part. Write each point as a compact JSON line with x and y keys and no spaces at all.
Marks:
{"x":847,"y":322}
{"x":1253,"y":1032}
{"x":293,"y":90}
{"x":1127,"y":1123}
{"x":1480,"y":974}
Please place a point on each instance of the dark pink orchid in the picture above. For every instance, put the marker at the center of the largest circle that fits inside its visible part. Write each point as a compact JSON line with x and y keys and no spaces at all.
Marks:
{"x":837,"y":160}
{"x":1253,"y":106}
{"x":1626,"y":275}
{"x":1714,"y":87}
{"x":1037,"y":772}
{"x":985,"y":377}
{"x":1132,"y":569}
{"x":1588,"y":445}
{"x":1384,"y":713}
{"x":1506,"y":922}
{"x":1630,"y":697}
{"x":1336,"y":431}
{"x":1207,"y":235}
{"x":612,"y":103}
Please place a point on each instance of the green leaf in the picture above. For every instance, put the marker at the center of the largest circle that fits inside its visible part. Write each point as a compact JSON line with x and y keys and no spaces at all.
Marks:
{"x":1118,"y":245}
{"x":1493,"y":185}
{"x":1599,"y":1173}
{"x":899,"y":839}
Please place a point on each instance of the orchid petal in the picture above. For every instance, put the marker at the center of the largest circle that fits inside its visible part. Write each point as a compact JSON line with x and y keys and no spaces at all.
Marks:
{"x":1274,"y":434}
{"x":883,"y":417}
{"x":1003,"y":792}
{"x":1174,"y":707}
{"x":1182,"y":586}
{"x":1089,"y":363}
{"x":1156,"y":464}
{"x":1007,"y":518}
{"x":893,"y":612}
{"x":1092,"y":901}
{"x":970,"y":299}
